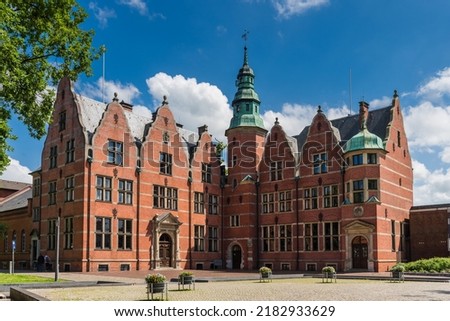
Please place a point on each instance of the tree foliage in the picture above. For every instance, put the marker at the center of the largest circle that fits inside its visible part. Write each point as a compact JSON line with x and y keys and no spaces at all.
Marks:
{"x":40,"y":41}
{"x":3,"y":230}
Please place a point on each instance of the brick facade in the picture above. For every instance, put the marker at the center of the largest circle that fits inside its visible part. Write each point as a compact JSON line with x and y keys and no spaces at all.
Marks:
{"x":137,"y":193}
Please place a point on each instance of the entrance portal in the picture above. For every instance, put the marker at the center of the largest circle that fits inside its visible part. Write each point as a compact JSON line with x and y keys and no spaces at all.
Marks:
{"x":360,"y":253}
{"x":165,"y":250}
{"x":237,"y":256}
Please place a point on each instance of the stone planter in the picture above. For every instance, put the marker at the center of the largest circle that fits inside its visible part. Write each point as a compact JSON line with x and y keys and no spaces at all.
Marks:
{"x":186,"y":279}
{"x":156,"y":288}
{"x":328,"y":277}
{"x":265,"y":276}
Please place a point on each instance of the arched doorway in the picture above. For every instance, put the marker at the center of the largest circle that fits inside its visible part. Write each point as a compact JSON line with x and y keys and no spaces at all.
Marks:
{"x":236,"y":254}
{"x":165,"y":250}
{"x":360,"y":253}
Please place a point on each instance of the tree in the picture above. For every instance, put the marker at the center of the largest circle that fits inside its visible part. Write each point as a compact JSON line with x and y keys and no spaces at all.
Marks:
{"x":40,"y":42}
{"x":3,"y":230}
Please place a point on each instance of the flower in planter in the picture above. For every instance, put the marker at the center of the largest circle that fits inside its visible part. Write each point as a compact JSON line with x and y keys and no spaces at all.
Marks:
{"x":398,"y":268}
{"x":328,"y":269}
{"x":185,"y":273}
{"x":265,"y":270}
{"x":155,"y":278}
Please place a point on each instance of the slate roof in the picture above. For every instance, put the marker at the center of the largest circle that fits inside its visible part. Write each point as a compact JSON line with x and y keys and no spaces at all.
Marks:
{"x":92,"y":112}
{"x":11,"y":185}
{"x":377,"y":122}
{"x":16,"y":200}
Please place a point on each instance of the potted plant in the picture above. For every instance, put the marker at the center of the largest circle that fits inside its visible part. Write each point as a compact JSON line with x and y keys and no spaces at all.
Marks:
{"x":265,"y":272}
{"x":397,"y":271}
{"x":186,"y":277}
{"x":155,"y":282}
{"x":329,"y":272}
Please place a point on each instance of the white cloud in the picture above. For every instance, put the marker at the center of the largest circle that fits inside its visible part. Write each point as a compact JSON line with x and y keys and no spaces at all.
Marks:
{"x":445,"y":155}
{"x":139,"y":5}
{"x":427,"y":125}
{"x":430,"y":187}
{"x":289,"y":8}
{"x":125,"y":92}
{"x":16,"y":172}
{"x":437,"y":87}
{"x":142,"y":111}
{"x":102,"y":14}
{"x":193,"y":104}
{"x":379,"y":103}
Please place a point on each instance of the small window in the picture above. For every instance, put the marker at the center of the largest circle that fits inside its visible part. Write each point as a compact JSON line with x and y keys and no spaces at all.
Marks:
{"x":124,"y":267}
{"x":357,"y":159}
{"x":115,"y":152}
{"x":103,"y":268}
{"x":371,"y":158}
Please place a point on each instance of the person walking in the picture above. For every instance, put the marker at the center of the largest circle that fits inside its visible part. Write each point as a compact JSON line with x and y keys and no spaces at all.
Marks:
{"x":40,"y":263}
{"x":48,"y":263}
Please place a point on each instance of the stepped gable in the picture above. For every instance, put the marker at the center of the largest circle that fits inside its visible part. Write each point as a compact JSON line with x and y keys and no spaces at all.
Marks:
{"x":349,"y":126}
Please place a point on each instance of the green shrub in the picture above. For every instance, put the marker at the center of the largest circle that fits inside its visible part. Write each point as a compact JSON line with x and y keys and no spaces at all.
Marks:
{"x":434,"y":265}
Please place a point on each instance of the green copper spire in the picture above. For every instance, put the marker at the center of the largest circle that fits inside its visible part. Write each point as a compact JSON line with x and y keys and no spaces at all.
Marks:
{"x":246,"y":101}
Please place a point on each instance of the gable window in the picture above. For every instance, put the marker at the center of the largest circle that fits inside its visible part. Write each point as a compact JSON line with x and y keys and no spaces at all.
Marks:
{"x":199,"y":238}
{"x":125,"y":191}
{"x":276,"y":170}
{"x":103,"y":188}
{"x":331,"y":236}
{"x":199,"y":202}
{"x":124,"y":233}
{"x":52,"y":193}
{"x":284,"y":201}
{"x":357,"y":159}
{"x":372,"y":158}
{"x":358,"y":191}
{"x":213,"y":204}
{"x":206,"y":173}
{"x":165,"y":197}
{"x":68,"y":233}
{"x":53,"y":156}
{"x":62,"y":121}
{"x":69,"y":189}
{"x":102,"y":233}
{"x":70,"y":151}
{"x":36,"y":214}
{"x":320,"y":163}
{"x":115,"y":152}
{"x":165,"y":163}
{"x":311,"y":237}
{"x":268,"y":202}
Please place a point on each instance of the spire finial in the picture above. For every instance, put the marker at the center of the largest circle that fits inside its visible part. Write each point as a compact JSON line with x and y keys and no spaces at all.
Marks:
{"x":276,"y":121}
{"x":245,"y":37}
{"x":115,"y":97}
{"x":165,"y":102}
{"x":395,"y":93}
{"x":319,"y":109}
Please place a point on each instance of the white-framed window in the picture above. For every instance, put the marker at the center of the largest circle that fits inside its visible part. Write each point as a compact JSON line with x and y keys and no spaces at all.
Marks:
{"x":213,"y":239}
{"x":268,"y":202}
{"x":52,"y":193}
{"x":70,"y":151}
{"x":69,"y":189}
{"x":310,"y":198}
{"x":276,"y":171}
{"x":51,"y":235}
{"x":268,"y":238}
{"x":103,"y":188}
{"x":199,"y":203}
{"x":234,"y":220}
{"x":68,"y":233}
{"x":125,"y":191}
{"x":285,"y":237}
{"x":331,"y":236}
{"x":330,"y":196}
{"x":285,"y":201}
{"x":206,"y":173}
{"x":320,"y":163}
{"x":311,"y":237}
{"x":213,"y":204}
{"x":165,"y":163}
{"x":165,"y":197}
{"x":103,"y":233}
{"x":199,"y":238}
{"x":124,"y":234}
{"x":115,"y":152}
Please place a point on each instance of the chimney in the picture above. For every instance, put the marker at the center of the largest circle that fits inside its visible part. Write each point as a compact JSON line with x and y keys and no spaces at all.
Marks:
{"x":202,"y":129}
{"x":363,"y":113}
{"x":126,"y":105}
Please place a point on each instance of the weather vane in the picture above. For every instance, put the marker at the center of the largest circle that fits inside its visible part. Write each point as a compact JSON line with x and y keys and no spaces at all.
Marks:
{"x":245,"y":36}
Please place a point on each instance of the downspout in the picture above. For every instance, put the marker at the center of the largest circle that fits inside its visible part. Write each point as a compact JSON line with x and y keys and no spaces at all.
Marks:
{"x":88,"y":250}
{"x":138,"y":218}
{"x":257,"y":221}
{"x":297,"y":214}
{"x":190,"y":219}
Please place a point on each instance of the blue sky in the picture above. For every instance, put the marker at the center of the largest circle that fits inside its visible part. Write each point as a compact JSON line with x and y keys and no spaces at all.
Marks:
{"x":304,"y":54}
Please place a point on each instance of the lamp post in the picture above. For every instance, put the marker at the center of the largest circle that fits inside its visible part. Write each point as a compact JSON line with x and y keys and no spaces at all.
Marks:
{"x":58,"y":224}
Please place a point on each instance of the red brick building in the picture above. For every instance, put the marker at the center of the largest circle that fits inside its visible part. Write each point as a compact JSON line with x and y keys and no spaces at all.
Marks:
{"x":430,"y":231}
{"x":130,"y":193}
